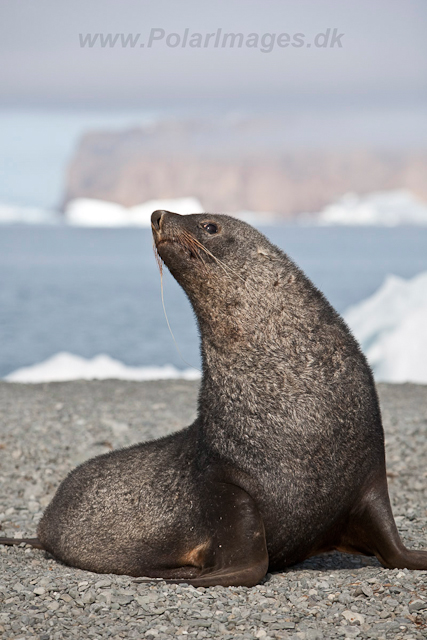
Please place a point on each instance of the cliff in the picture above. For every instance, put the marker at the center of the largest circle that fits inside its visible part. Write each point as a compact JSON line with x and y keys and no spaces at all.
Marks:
{"x":233,"y":166}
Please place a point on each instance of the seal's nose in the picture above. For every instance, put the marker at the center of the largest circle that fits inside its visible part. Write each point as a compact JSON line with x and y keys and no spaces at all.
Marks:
{"x":156,"y":217}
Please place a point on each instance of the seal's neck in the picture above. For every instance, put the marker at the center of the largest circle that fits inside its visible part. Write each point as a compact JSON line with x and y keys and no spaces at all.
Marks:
{"x":261,"y":363}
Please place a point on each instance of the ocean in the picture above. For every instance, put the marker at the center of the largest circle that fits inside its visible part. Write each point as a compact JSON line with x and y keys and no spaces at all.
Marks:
{"x":91,"y":291}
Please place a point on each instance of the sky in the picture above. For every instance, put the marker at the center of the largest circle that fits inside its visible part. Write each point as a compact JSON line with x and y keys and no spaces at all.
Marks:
{"x":368,"y":89}
{"x":382,"y":60}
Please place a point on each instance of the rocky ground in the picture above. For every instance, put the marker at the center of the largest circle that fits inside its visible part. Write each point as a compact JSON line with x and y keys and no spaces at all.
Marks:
{"x":45,"y":430}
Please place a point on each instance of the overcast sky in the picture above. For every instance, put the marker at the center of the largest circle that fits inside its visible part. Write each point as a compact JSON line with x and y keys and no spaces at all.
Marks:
{"x":382,"y":61}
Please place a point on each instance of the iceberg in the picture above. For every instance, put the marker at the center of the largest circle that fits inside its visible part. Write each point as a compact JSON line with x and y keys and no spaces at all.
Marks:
{"x":88,"y":212}
{"x":67,"y":366}
{"x":380,"y":208}
{"x":391,"y":327}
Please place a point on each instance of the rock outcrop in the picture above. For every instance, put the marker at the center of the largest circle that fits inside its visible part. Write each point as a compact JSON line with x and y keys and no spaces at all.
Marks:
{"x":233,"y":166}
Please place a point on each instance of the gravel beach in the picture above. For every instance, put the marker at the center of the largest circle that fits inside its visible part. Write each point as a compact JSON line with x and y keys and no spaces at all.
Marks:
{"x":47,"y":429}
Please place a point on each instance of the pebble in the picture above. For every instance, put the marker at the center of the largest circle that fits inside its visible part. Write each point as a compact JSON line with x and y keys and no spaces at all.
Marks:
{"x":417,"y":605}
{"x":367,"y":591}
{"x":353,"y":616}
{"x":326,"y":597}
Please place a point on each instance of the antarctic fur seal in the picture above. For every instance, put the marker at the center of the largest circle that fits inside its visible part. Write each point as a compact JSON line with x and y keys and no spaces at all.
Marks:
{"x":285,"y":459}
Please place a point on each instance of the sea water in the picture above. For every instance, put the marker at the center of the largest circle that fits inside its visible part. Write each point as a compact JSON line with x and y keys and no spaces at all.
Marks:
{"x":91,"y":291}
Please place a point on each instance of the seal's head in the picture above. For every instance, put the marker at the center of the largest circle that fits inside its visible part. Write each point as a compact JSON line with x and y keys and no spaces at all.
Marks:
{"x":226,"y":267}
{"x":203,"y":247}
{"x":185,"y":242}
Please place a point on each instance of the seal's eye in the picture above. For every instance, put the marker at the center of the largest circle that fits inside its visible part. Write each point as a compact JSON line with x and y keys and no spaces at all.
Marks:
{"x":210,"y":227}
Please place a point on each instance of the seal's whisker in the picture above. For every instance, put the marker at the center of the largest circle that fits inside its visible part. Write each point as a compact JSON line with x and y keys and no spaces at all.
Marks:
{"x":187,"y":241}
{"x":160,"y":265}
{"x":169,"y":326}
{"x":194,"y":246}
{"x":217,"y":260}
{"x":158,"y":258}
{"x":227,"y":270}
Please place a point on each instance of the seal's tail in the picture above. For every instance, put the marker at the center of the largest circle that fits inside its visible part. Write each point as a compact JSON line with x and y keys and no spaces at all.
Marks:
{"x":33,"y":542}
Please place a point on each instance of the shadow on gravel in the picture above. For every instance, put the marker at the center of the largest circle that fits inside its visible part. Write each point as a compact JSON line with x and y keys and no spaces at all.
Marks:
{"x":334,"y":561}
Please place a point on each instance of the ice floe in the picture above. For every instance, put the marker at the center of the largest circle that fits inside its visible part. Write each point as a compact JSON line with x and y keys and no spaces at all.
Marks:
{"x":391,"y":327}
{"x":67,"y":366}
{"x":380,"y":208}
{"x":87,"y":212}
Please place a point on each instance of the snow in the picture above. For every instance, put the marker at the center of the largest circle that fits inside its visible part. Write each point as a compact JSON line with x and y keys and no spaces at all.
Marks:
{"x":391,"y":327}
{"x":67,"y":366}
{"x":87,"y":212}
{"x":381,"y":208}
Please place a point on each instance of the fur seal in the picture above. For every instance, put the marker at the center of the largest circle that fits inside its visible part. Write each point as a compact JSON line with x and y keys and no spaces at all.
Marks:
{"x":285,"y":459}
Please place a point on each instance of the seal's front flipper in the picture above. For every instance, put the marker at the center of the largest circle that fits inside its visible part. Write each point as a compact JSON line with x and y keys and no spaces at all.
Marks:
{"x":372,"y":530}
{"x":235,"y":553}
{"x":238,"y":555}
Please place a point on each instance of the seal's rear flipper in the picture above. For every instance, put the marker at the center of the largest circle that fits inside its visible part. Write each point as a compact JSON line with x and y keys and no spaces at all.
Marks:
{"x":33,"y":542}
{"x":236,"y":553}
{"x":372,"y":531}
